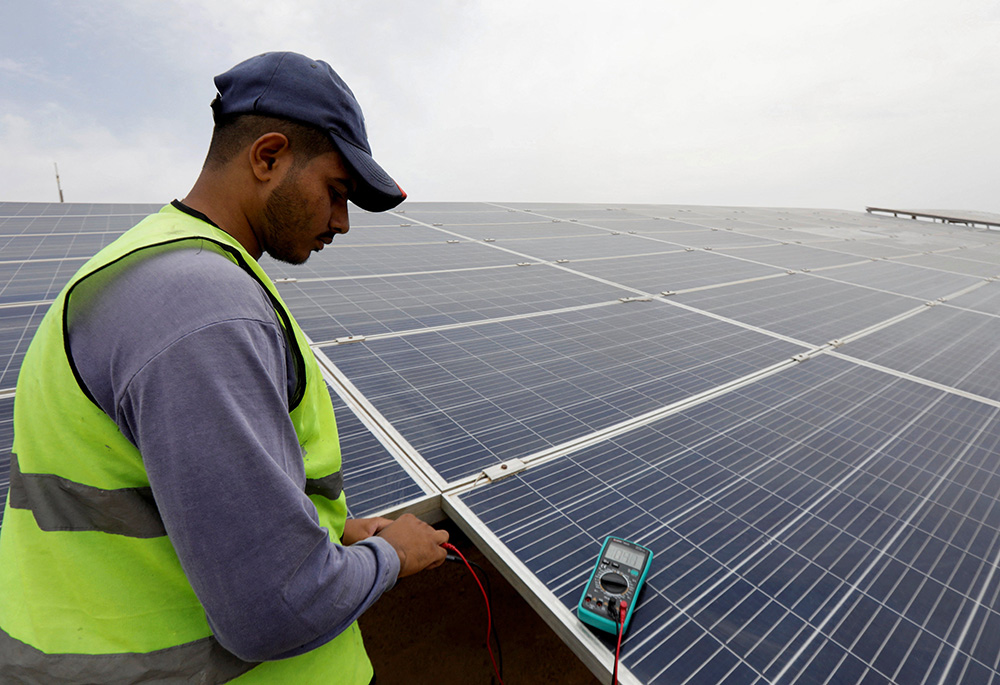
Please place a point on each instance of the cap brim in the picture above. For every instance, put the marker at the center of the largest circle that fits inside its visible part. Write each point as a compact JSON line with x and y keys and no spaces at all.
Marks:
{"x":376,"y":191}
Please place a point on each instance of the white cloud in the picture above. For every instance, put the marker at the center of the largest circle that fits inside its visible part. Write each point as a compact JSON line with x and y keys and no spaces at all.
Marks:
{"x":720,"y":101}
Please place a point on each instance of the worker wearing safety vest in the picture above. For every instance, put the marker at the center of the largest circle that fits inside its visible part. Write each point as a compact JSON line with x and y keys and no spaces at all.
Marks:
{"x":176,"y":510}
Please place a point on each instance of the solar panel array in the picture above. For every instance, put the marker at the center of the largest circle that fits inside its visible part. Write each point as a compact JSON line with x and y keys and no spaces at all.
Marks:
{"x":794,"y":409}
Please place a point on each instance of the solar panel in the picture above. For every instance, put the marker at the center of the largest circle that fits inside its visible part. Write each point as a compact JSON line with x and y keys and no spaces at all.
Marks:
{"x":374,"y":478}
{"x":6,"y":443}
{"x":339,"y":260}
{"x":950,"y":346}
{"x":472,"y":397}
{"x":512,"y":231}
{"x":796,"y":257}
{"x":985,"y":299}
{"x":813,"y":527}
{"x":587,"y":247}
{"x":330,"y":309}
{"x":17,"y":327}
{"x":801,"y":306}
{"x":903,"y":279}
{"x":673,"y":270}
{"x":386,"y":235}
{"x":34,"y":281}
{"x":958,"y":265}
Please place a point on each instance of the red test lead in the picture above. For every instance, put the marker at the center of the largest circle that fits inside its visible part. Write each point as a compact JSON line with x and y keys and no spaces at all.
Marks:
{"x":489,"y":617}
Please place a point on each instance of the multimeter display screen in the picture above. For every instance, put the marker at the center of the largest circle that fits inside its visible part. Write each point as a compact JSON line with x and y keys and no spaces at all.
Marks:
{"x":624,"y":555}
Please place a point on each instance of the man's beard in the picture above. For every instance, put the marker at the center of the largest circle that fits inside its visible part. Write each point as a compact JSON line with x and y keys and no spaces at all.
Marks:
{"x":285,"y":220}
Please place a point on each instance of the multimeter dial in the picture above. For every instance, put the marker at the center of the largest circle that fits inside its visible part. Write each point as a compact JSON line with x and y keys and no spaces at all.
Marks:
{"x":614,"y":583}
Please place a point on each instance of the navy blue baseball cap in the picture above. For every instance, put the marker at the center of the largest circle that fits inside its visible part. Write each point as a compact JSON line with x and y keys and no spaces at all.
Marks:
{"x":292,"y":86}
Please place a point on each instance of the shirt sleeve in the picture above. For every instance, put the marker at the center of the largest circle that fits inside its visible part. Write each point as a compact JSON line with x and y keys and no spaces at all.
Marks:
{"x":207,"y":407}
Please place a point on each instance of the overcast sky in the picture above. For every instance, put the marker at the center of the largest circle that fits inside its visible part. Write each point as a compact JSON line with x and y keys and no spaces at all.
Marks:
{"x":792,"y":103}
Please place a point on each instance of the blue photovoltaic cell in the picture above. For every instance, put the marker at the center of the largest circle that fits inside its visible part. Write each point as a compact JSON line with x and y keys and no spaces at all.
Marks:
{"x":583,"y":212}
{"x":348,"y":260}
{"x":795,"y":257}
{"x":6,"y":443}
{"x":983,"y":299}
{"x":862,"y":248}
{"x":367,"y":306}
{"x":469,"y":218}
{"x":801,"y":306}
{"x":719,"y":239}
{"x":373,"y":480}
{"x":563,"y":230}
{"x":673,"y":271}
{"x":468,"y":398}
{"x":388,"y":235}
{"x":17,"y":327}
{"x":945,"y":262}
{"x":40,"y":226}
{"x":639,"y":225}
{"x":588,"y":247}
{"x":950,"y":346}
{"x":74,"y":210}
{"x":31,"y":247}
{"x":35,"y":281}
{"x":903,"y":279}
{"x":829,"y":524}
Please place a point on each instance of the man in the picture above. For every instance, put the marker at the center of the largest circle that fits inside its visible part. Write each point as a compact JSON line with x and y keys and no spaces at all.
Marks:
{"x":175,"y":510}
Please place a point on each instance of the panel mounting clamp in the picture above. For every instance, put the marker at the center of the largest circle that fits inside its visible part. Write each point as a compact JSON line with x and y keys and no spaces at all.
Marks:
{"x":286,"y":280}
{"x":635,"y":299}
{"x":507,"y":468}
{"x":349,"y":339}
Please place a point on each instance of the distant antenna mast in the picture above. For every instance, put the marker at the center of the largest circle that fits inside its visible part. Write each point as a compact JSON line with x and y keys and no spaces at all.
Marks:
{"x":58,"y":184}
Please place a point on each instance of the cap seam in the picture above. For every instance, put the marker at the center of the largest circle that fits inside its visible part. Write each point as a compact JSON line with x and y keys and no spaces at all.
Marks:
{"x":267,"y":86}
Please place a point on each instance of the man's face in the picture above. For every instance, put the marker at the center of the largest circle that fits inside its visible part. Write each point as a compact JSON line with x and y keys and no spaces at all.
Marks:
{"x":306,"y":209}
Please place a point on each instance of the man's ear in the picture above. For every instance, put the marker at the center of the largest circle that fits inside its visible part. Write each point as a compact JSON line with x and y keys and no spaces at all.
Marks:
{"x":269,"y":155}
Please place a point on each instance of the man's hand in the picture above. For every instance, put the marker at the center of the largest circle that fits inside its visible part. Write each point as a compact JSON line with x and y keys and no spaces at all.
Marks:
{"x":417,"y":544}
{"x":356,"y":530}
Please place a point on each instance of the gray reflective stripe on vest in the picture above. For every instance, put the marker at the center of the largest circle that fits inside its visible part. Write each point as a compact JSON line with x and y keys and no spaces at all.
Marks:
{"x":328,"y":486}
{"x":202,"y":661}
{"x":61,"y":504}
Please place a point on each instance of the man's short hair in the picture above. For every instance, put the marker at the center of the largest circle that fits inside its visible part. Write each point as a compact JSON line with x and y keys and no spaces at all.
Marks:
{"x":233,"y":134}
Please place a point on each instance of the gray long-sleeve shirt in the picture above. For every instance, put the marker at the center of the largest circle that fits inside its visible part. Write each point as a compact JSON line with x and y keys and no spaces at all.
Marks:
{"x":183,"y":350}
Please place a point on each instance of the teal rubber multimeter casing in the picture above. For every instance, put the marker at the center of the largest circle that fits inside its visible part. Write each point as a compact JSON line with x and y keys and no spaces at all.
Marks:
{"x":618,"y":576}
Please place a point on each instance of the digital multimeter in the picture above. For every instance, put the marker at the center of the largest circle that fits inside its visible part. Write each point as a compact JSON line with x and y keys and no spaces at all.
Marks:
{"x":618,"y":576}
